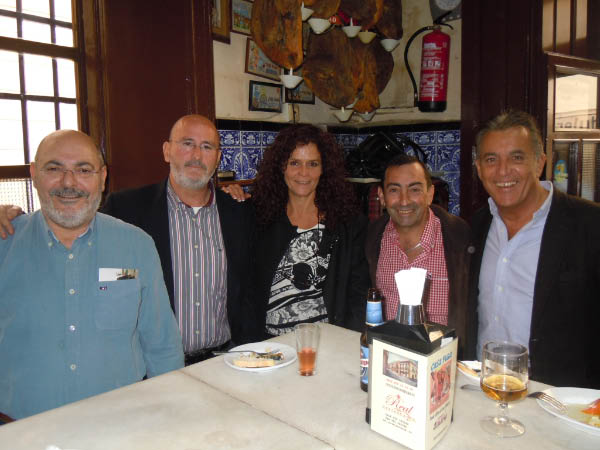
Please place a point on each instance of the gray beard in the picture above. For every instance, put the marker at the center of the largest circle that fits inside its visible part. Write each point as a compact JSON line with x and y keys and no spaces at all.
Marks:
{"x":190,"y":183}
{"x":72,"y":219}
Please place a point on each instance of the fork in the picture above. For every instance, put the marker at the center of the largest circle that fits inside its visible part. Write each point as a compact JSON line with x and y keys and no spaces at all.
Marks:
{"x":272,"y":352}
{"x":556,"y":404}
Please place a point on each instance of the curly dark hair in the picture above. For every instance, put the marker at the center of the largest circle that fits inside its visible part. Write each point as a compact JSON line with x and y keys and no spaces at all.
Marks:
{"x":334,"y":198}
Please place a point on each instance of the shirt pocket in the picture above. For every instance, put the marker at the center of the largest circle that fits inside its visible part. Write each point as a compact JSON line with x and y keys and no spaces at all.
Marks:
{"x":117,"y":304}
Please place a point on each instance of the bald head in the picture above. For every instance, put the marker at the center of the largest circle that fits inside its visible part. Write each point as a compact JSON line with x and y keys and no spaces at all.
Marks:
{"x":192,"y":121}
{"x":68,"y":138}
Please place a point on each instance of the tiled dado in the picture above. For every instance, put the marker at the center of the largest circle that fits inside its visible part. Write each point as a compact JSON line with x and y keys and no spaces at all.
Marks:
{"x":441,"y":147}
{"x":243,"y":144}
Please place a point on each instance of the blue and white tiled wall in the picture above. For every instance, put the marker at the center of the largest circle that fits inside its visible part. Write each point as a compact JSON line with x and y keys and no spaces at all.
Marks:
{"x":442,"y":149}
{"x":243,"y":150}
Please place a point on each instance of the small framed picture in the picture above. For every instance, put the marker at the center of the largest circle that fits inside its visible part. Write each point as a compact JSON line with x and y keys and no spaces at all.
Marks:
{"x":241,"y":13}
{"x":300,"y":94}
{"x":257,"y":63}
{"x":221,"y":16}
{"x":265,"y":96}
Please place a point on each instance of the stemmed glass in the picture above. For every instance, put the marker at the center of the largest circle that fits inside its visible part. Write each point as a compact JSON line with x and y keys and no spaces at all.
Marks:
{"x":504,"y":379}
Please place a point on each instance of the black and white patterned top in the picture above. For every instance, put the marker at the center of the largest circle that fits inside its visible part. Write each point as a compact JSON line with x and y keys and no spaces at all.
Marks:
{"x":297,"y":286}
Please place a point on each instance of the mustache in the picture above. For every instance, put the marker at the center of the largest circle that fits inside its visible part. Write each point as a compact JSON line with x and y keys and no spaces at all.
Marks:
{"x":69,"y":193}
{"x":195,"y":163}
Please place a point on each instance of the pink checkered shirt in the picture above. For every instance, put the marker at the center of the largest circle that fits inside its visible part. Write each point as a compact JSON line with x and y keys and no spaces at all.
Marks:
{"x":393,"y":259}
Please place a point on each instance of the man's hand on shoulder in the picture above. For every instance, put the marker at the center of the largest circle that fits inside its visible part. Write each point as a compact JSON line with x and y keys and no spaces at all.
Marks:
{"x":7,"y":214}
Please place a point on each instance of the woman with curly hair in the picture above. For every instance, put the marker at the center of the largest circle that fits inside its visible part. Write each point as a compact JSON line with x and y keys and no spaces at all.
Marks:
{"x":310,"y":263}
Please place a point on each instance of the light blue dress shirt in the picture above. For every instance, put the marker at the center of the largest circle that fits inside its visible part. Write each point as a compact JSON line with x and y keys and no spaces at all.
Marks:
{"x":65,"y":335}
{"x":507,"y":277}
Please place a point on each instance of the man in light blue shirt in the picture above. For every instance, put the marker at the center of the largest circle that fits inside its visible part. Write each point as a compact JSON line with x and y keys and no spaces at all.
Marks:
{"x":83,"y":304}
{"x":535,"y":273}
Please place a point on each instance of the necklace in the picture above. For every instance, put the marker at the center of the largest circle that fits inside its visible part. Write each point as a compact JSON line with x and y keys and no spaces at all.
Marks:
{"x":413,"y":248}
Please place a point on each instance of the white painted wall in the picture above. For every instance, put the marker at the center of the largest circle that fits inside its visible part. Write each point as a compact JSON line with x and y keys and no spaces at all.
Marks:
{"x":231,"y":82}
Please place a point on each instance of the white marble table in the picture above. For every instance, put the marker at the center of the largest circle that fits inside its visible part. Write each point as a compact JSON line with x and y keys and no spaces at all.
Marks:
{"x":331,"y":406}
{"x":212,"y":406}
{"x":169,"y":412}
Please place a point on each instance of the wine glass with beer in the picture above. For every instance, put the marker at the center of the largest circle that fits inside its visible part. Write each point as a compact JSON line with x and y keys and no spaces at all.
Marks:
{"x":504,"y":379}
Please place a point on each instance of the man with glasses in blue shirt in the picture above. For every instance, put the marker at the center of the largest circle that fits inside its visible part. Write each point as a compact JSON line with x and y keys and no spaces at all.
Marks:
{"x":83,"y":306}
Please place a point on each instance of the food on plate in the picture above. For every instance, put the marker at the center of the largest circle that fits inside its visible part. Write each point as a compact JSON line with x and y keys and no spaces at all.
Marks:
{"x":593,"y":408}
{"x":252,"y":361}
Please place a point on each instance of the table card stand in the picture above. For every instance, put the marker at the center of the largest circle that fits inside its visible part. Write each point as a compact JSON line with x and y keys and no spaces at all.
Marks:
{"x":411,"y":391}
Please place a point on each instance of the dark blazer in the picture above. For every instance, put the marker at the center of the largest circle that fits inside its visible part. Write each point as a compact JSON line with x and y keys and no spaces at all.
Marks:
{"x":146,"y":207}
{"x":347,"y":280}
{"x":563,"y":345}
{"x":455,"y":233}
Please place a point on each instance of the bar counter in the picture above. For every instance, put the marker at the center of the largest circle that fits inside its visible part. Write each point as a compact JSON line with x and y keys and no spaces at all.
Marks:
{"x":212,"y":406}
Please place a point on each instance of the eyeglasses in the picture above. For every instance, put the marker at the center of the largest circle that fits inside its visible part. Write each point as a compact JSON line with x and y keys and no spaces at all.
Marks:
{"x":189,"y":145}
{"x":80,"y":173}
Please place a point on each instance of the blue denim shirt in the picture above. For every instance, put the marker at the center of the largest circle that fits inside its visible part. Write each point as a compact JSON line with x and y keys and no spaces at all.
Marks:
{"x":65,"y":335}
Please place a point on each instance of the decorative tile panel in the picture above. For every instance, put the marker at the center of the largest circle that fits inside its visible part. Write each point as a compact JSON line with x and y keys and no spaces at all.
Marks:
{"x":229,"y":138}
{"x":250,"y":138}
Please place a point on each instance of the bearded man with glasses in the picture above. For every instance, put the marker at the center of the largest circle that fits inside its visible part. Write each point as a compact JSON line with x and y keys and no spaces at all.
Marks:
{"x":70,"y":325}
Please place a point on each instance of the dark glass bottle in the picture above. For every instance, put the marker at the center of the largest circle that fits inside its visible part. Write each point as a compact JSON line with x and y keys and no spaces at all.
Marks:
{"x":374,"y":318}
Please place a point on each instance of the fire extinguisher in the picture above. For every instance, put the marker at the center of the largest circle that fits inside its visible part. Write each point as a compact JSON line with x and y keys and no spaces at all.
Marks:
{"x":435,"y":58}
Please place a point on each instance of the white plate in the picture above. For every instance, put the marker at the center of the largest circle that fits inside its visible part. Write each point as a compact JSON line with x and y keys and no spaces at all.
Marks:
{"x":475,"y":365}
{"x":289,"y":355}
{"x":572,"y":396}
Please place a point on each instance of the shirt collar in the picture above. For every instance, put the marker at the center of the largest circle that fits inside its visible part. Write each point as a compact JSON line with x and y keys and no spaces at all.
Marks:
{"x":542,"y":211}
{"x":175,"y":201}
{"x":427,"y":240}
{"x":47,"y":231}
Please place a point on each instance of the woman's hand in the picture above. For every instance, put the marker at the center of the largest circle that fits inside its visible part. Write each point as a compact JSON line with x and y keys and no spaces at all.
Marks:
{"x":7,"y":214}
{"x":236,"y":192}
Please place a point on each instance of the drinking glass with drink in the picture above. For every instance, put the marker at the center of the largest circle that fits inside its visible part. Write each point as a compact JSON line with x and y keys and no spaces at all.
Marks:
{"x":307,"y":343}
{"x":504,"y":378}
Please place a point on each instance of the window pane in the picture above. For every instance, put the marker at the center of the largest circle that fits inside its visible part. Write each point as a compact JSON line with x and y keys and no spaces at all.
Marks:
{"x":36,"y":7}
{"x":564,"y":166}
{"x":64,"y":36}
{"x":8,"y":26}
{"x":62,"y":10}
{"x":66,"y":78}
{"x":11,"y":144}
{"x":33,"y":31}
{"x":38,"y":75}
{"x":9,"y":75}
{"x":40,"y":120}
{"x":16,"y":192}
{"x":576,"y":101}
{"x":589,"y":170}
{"x":10,"y":5}
{"x":68,"y":116}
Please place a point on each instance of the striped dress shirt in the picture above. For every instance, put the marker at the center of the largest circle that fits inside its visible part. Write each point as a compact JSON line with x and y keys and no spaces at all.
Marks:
{"x":199,"y":273}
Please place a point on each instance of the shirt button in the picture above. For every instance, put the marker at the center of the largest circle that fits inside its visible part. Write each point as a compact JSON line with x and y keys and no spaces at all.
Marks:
{"x":504,"y":260}
{"x":195,"y":245}
{"x":496,"y":318}
{"x":197,"y":331}
{"x":73,"y":366}
{"x":196,"y":274}
{"x":72,"y":327}
{"x":89,"y":244}
{"x":49,"y":244}
{"x":500,"y":289}
{"x":71,"y":291}
{"x":197,"y":303}
{"x":71,"y":256}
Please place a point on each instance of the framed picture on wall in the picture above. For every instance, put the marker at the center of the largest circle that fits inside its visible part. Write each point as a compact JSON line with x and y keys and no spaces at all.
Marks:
{"x":257,"y":63}
{"x":300,"y":94}
{"x":264,"y":96}
{"x":221,"y":16}
{"x":241,"y":13}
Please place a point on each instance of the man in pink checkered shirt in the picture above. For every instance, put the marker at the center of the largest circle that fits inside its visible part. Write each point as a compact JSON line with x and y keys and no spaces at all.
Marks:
{"x":422,"y":235}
